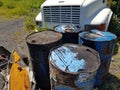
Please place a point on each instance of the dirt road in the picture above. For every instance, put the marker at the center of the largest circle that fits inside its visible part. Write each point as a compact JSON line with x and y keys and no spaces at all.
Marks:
{"x":12,"y":34}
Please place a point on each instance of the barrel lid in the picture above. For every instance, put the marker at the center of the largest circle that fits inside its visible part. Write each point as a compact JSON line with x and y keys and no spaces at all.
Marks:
{"x":43,"y":37}
{"x":96,"y":35}
{"x":74,"y":58}
{"x":67,"y":28}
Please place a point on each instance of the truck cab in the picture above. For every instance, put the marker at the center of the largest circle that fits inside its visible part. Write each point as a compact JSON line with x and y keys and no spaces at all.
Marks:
{"x":78,"y":12}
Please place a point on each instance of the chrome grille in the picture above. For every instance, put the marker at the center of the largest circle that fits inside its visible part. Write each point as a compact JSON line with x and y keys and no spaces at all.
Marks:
{"x":62,"y":14}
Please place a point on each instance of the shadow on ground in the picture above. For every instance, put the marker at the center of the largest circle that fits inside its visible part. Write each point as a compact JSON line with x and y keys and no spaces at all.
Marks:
{"x":112,"y":83}
{"x":116,"y":49}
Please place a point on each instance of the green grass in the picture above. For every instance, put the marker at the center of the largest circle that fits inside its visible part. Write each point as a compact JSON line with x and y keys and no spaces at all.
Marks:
{"x":21,"y":8}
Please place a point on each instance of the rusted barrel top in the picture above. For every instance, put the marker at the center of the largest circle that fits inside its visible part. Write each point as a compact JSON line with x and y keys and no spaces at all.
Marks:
{"x":44,"y":37}
{"x":74,"y":58}
{"x":96,"y":35}
{"x":67,"y":28}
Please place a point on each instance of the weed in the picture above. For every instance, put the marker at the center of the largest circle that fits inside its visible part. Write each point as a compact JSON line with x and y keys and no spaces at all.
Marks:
{"x":10,"y":4}
{"x":29,"y":24}
{"x":1,"y":3}
{"x":40,"y":29}
{"x":21,"y":8}
{"x":114,"y":26}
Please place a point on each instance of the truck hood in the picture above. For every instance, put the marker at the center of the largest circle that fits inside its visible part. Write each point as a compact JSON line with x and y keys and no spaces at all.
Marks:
{"x":62,"y":2}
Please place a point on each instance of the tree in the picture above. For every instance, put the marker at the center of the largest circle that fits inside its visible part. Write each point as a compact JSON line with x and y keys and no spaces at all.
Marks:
{"x":114,"y":26}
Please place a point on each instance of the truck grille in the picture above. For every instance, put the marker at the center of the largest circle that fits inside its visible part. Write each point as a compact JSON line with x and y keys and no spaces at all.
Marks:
{"x":62,"y":14}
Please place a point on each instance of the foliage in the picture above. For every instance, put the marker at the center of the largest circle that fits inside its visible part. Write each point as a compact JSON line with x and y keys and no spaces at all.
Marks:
{"x":29,"y":24}
{"x":1,"y":3}
{"x":116,"y":7}
{"x":40,"y":29}
{"x":114,"y":26}
{"x":21,"y":8}
{"x":10,"y":4}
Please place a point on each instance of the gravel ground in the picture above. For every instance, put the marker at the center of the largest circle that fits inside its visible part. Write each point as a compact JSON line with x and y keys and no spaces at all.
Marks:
{"x":12,"y":34}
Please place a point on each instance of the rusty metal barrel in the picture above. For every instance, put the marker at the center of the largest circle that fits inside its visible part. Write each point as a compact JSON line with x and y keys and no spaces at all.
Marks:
{"x":73,"y":67}
{"x":69,"y":31}
{"x":103,"y":42}
{"x":39,"y":45}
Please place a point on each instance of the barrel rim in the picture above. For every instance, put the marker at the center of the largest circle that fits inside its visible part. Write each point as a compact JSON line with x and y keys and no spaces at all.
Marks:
{"x":54,"y":28}
{"x":80,"y":36}
{"x":42,"y":31}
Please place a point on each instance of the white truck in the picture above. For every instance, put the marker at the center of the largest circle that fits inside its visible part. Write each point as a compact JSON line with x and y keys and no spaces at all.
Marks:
{"x":78,"y":12}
